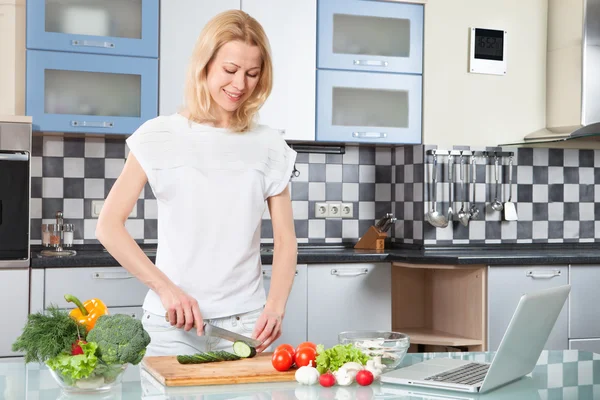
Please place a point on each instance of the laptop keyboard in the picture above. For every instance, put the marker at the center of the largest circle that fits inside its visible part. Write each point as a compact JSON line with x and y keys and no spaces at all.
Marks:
{"x":468,"y":374}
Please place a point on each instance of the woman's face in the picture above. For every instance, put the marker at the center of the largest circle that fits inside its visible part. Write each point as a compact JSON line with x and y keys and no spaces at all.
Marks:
{"x":232,"y":76}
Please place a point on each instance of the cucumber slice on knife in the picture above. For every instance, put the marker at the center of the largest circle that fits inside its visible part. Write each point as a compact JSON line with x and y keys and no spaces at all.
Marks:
{"x":243,"y":349}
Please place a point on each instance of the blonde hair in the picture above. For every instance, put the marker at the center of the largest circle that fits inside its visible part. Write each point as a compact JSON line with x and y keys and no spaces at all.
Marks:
{"x":228,"y":26}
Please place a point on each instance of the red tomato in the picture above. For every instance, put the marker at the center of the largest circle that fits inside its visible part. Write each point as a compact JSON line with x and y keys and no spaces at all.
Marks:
{"x":327,"y":379}
{"x":305,"y":356}
{"x":307,"y":344}
{"x":282,"y":360}
{"x":364,"y":377}
{"x":288,"y":347}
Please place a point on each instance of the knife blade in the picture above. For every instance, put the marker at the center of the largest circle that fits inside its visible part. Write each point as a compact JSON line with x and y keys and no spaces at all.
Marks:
{"x":211,"y":330}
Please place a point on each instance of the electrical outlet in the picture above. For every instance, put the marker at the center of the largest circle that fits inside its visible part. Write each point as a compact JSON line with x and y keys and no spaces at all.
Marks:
{"x":347,"y":210}
{"x":98,"y":204}
{"x":321,"y":210}
{"x":335,"y":210}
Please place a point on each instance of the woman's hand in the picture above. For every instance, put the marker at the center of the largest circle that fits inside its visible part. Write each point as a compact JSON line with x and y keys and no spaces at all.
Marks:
{"x":182,"y":309}
{"x":267,"y":329}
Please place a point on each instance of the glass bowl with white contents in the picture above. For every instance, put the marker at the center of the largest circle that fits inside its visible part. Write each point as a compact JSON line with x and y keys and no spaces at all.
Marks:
{"x":390,"y":346}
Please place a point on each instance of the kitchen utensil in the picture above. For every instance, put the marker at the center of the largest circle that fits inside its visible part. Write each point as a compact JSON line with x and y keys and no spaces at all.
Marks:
{"x":215,"y":331}
{"x":168,"y":371}
{"x":474,"y":211}
{"x":510,"y":210}
{"x":434,"y":217}
{"x":211,"y":330}
{"x":451,"y":191}
{"x":388,"y":224}
{"x":463,"y":216}
{"x":497,"y":204}
{"x":383,"y":220}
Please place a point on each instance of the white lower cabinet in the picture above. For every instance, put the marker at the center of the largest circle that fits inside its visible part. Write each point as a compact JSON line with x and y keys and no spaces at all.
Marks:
{"x":14,"y":296}
{"x":506,"y":285}
{"x":344,"y":297}
{"x":584,"y":318}
{"x":294,"y":324}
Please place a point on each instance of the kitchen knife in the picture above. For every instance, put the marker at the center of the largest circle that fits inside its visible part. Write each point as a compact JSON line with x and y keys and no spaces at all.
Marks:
{"x":211,"y":330}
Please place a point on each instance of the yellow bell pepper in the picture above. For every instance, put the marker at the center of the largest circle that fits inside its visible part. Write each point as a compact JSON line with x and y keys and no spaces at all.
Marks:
{"x":88,"y":312}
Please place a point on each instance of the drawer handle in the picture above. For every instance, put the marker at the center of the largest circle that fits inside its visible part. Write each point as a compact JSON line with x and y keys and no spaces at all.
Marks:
{"x":111,"y":275}
{"x":91,"y":124}
{"x":371,"y":135}
{"x":92,"y":43}
{"x":543,"y":274}
{"x":363,"y":271}
{"x":267,"y":274}
{"x":371,"y":63}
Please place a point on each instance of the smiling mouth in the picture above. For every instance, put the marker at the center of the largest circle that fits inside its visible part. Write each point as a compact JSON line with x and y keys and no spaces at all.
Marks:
{"x":233,"y":96}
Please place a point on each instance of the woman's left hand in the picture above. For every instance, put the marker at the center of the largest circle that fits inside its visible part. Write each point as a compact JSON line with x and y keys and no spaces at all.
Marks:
{"x":267,"y":329}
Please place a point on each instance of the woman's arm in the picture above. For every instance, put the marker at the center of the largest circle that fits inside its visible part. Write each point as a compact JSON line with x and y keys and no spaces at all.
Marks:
{"x":111,"y":232}
{"x":268,"y":327}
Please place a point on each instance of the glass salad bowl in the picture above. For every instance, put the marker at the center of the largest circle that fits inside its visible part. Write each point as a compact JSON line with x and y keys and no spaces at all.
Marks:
{"x":390,"y":346}
{"x":103,"y":378}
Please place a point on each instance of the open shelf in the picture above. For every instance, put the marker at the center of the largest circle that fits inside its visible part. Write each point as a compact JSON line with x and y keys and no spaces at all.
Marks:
{"x":439,"y":338}
{"x":440,"y":307}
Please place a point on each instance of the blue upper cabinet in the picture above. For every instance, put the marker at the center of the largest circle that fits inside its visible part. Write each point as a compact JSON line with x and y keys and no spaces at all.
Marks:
{"x":368,"y":107}
{"x":370,"y":36}
{"x":115,"y":27}
{"x":90,"y":93}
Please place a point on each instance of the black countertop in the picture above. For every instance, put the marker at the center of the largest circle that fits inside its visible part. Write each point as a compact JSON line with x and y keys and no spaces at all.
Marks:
{"x":90,"y":256}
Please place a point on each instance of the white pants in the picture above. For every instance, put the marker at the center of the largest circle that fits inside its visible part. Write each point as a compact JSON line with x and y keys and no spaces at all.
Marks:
{"x":167,"y":340}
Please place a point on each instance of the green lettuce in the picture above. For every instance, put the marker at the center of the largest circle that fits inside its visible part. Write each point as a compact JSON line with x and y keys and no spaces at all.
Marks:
{"x":73,"y":368}
{"x":332,"y":359}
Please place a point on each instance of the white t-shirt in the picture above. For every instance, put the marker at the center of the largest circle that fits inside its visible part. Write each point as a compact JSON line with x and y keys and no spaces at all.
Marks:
{"x":211,"y":187}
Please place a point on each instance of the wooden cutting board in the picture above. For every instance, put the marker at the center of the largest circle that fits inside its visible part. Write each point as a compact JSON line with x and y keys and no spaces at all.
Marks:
{"x":169,"y":372}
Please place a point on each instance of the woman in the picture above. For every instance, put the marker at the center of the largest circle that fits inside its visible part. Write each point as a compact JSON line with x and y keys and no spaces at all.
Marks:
{"x":212,"y":169}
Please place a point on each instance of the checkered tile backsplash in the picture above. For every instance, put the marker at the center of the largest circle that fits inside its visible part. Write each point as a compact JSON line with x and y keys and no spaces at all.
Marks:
{"x":556,"y":192}
{"x":68,"y":173}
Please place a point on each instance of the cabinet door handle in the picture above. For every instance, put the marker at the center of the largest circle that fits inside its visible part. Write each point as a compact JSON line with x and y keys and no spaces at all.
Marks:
{"x":362,"y":271}
{"x":102,"y":124}
{"x":112,"y":275}
{"x":371,"y":63}
{"x":92,"y":43}
{"x":370,"y":135}
{"x":267,"y":274}
{"x":543,"y":274}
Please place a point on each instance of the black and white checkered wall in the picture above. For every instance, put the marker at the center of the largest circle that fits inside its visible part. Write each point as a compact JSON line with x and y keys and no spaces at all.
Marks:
{"x":69,"y":173}
{"x":556,"y":191}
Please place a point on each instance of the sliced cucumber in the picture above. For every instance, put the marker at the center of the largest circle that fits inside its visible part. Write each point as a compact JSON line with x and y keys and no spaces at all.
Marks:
{"x":243,"y":349}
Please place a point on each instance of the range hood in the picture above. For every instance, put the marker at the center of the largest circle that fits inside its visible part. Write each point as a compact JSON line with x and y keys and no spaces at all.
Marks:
{"x":572,"y":73}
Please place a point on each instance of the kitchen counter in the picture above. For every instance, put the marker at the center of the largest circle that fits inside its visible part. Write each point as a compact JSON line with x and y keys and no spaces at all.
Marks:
{"x":90,"y":256}
{"x":568,"y":374}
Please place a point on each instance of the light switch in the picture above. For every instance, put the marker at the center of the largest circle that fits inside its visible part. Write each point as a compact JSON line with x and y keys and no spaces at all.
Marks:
{"x":98,"y":204}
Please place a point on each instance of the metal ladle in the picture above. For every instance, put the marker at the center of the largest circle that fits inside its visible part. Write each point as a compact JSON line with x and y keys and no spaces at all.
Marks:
{"x":451,"y":182}
{"x":433,"y":216}
{"x":463,"y":216}
{"x":474,"y":211}
{"x":497,"y":204}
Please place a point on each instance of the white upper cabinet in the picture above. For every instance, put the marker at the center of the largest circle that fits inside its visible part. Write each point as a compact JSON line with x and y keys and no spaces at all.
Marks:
{"x":291,"y":27}
{"x":181,"y":22}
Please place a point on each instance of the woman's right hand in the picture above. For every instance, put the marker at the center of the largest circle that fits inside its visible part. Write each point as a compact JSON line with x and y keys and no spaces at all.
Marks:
{"x":182,"y":309}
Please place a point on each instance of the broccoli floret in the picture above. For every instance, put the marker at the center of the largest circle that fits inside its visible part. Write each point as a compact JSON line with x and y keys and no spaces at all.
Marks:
{"x":121,"y":339}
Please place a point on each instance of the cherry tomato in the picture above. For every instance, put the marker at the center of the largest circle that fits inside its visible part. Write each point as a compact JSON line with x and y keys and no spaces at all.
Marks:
{"x":287,"y":347}
{"x":307,"y":344}
{"x":305,"y":356}
{"x":282,"y":360}
{"x":364,"y":377}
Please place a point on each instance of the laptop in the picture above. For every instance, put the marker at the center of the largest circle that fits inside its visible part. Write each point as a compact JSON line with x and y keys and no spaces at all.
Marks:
{"x":516,"y":357}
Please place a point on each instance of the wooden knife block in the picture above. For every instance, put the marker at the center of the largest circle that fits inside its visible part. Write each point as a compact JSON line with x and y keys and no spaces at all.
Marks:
{"x":373,"y":239}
